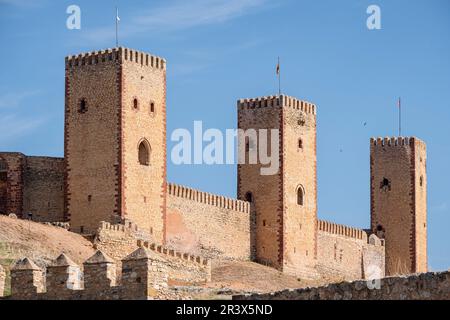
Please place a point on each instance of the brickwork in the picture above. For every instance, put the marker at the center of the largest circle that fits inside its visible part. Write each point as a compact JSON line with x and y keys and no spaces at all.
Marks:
{"x":426,"y":286}
{"x":12,"y":188}
{"x":398,"y":202}
{"x":44,"y":189}
{"x":207,"y":224}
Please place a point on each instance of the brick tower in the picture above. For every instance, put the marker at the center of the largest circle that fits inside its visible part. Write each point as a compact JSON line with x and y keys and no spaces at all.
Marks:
{"x":284,"y":204}
{"x":115,"y":140}
{"x":399,"y":202}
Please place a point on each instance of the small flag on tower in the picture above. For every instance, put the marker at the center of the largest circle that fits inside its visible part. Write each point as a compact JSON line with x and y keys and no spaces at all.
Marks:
{"x":278,"y":67}
{"x":399,"y":102}
{"x":279,"y":77}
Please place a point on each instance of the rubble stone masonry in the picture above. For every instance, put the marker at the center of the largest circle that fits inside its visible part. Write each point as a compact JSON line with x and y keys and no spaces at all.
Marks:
{"x":425,"y":286}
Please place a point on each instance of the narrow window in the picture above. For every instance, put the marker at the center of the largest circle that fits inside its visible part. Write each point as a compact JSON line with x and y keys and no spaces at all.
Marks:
{"x":300,"y":143}
{"x":421,"y":181}
{"x":89,"y":198}
{"x":264,"y":223}
{"x":249,"y":197}
{"x":135,"y":103}
{"x":144,"y":153}
{"x":83,"y":106}
{"x":385,"y":184}
{"x":152,"y":107}
{"x":300,"y":196}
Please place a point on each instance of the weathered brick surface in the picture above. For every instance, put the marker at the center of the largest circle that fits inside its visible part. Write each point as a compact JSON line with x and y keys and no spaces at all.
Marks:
{"x":207,"y":224}
{"x":398,"y":209}
{"x":44,"y":189}
{"x":426,"y":286}
{"x":33,"y":185}
{"x":11,"y":192}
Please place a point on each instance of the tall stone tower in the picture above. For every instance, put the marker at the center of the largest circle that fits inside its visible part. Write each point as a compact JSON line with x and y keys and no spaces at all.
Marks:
{"x":115,"y":140}
{"x":284,"y":204}
{"x":399,"y":201}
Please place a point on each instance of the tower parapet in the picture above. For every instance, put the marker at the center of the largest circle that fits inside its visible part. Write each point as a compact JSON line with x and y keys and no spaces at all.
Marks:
{"x":116,"y":54}
{"x":272,"y":101}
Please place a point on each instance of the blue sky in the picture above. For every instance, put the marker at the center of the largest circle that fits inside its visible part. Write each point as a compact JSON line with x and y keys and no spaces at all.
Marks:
{"x":219,"y":51}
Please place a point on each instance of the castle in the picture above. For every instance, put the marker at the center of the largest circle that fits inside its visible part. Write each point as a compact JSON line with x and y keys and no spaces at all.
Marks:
{"x":114,"y":172}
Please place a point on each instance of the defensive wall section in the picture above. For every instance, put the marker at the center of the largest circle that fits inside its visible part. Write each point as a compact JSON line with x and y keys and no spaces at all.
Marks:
{"x":346,"y":253}
{"x":207,"y":224}
{"x":119,"y":241}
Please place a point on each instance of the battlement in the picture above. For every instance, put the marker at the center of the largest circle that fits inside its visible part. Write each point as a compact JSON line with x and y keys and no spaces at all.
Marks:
{"x":342,"y":230}
{"x":127,"y":226}
{"x":200,"y":261}
{"x":143,"y":276}
{"x":393,"y":141}
{"x":273,"y":101}
{"x":207,"y":198}
{"x":116,"y":54}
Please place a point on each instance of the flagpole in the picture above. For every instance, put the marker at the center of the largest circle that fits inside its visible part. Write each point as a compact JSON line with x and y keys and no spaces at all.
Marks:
{"x":279,"y":77}
{"x":399,"y":117}
{"x":117,"y":27}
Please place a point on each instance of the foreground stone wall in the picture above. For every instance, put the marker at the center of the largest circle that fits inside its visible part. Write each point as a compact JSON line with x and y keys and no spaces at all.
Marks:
{"x":206,"y":224}
{"x":143,"y":276}
{"x":346,"y":253}
{"x":425,"y":286}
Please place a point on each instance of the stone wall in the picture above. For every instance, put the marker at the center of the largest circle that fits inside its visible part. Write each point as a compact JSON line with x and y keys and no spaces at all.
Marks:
{"x":206,"y":224}
{"x":44,"y":189}
{"x":11,"y":193}
{"x":143,"y":276}
{"x":398,"y":202}
{"x":32,"y":185}
{"x":426,"y":286}
{"x":346,"y":253}
{"x":118,"y":241}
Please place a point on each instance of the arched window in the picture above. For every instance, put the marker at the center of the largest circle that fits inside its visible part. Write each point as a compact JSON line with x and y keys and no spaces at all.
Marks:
{"x":249,"y":197}
{"x":144,"y":153}
{"x":300,"y":196}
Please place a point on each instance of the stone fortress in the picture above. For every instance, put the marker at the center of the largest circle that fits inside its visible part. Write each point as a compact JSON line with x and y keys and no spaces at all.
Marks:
{"x":111,"y":185}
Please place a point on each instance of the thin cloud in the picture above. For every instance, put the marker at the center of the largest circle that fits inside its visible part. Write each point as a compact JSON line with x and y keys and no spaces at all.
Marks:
{"x":10,"y":100}
{"x":13,"y":126}
{"x":178,"y":15}
{"x":23,"y":3}
{"x":440,"y":207}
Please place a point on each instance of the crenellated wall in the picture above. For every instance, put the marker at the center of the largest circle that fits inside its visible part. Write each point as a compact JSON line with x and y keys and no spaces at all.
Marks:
{"x":207,"y":224}
{"x":143,"y":277}
{"x":346,"y":253}
{"x":120,"y":240}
